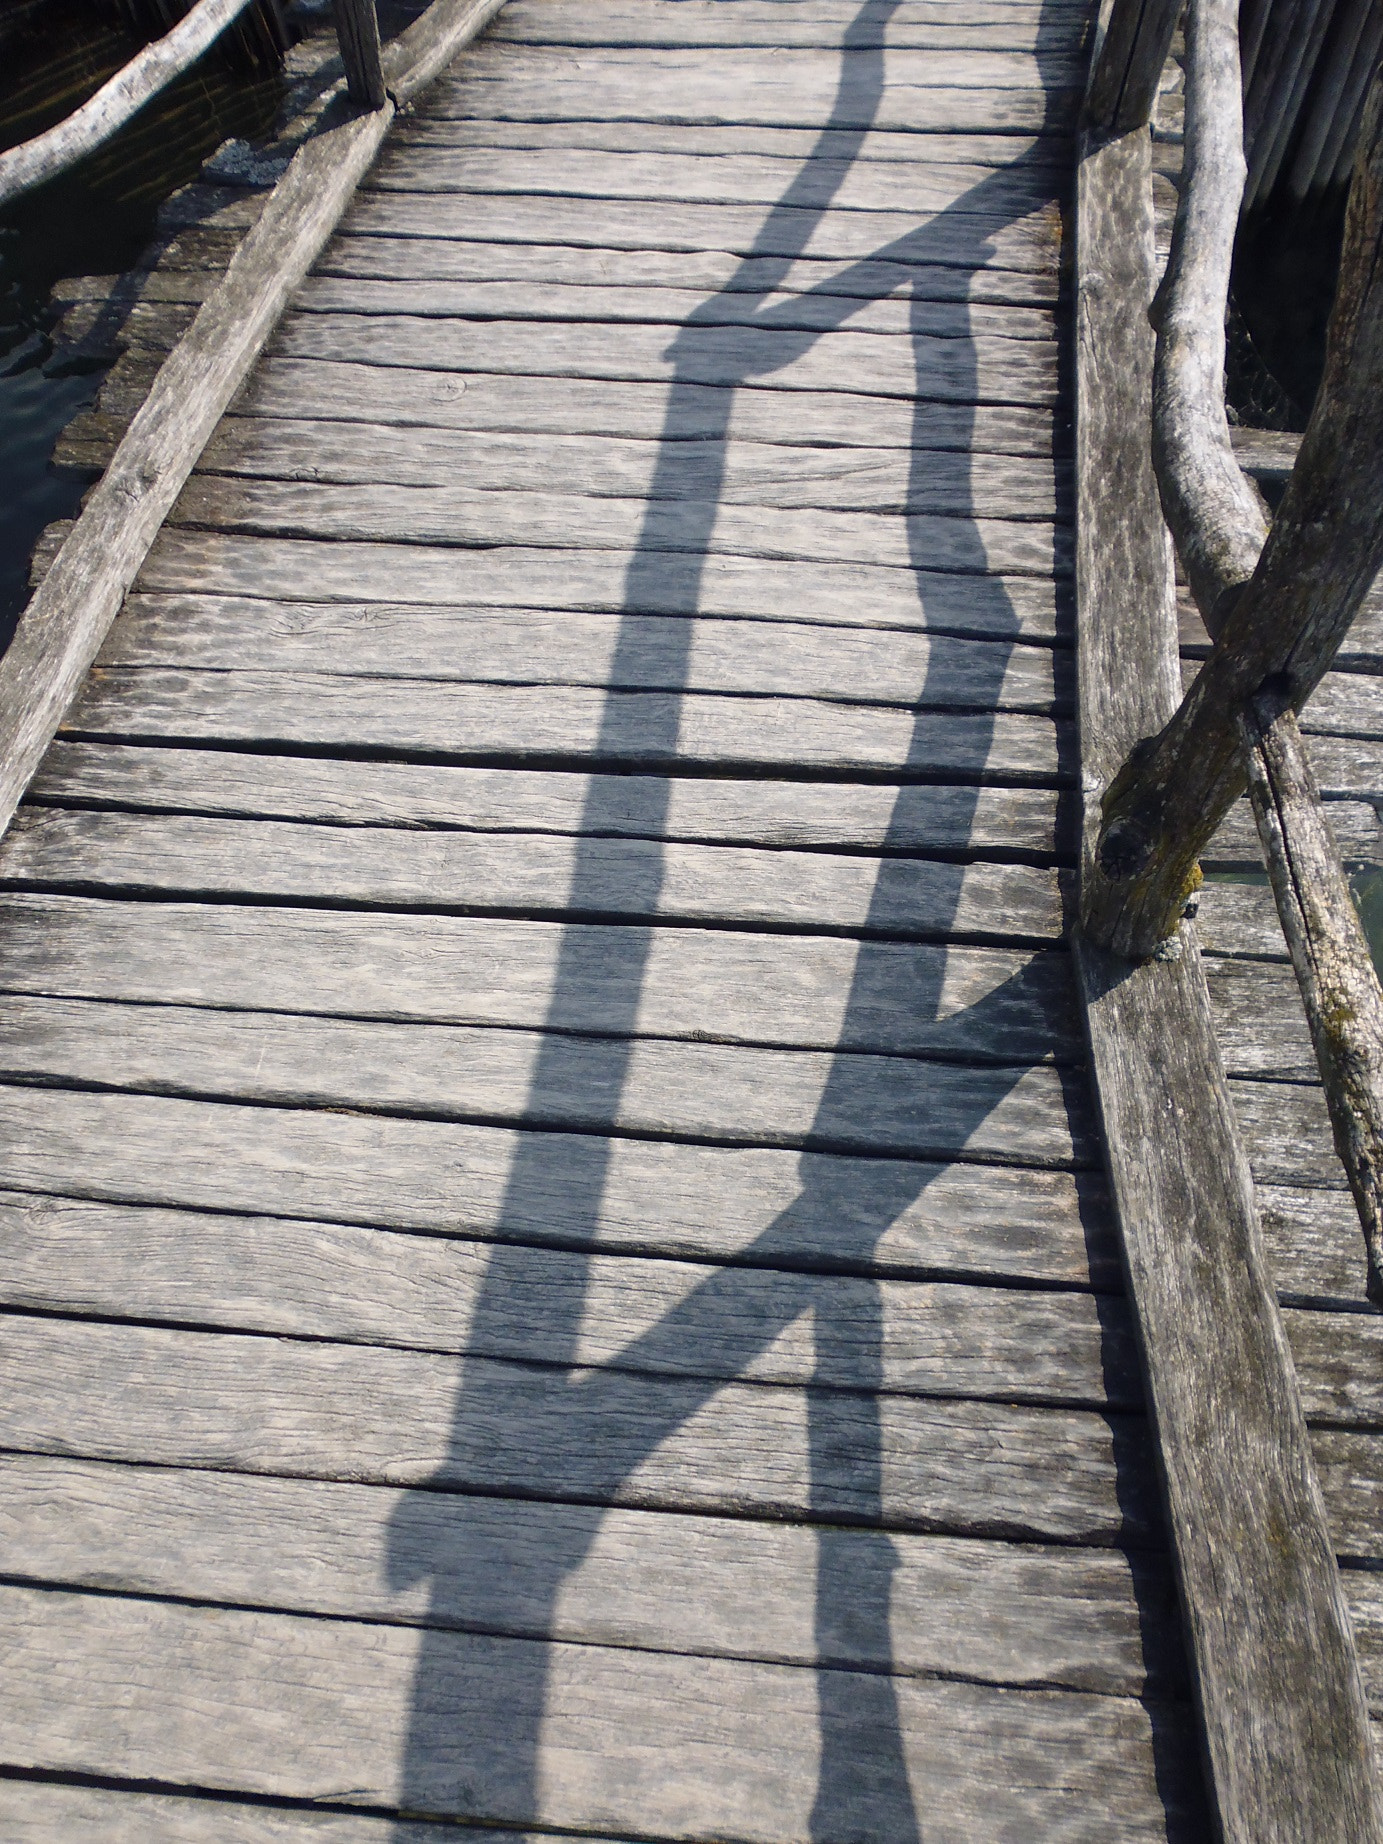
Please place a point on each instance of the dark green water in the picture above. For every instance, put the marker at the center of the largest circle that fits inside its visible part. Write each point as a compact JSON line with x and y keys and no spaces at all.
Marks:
{"x":95,"y":220}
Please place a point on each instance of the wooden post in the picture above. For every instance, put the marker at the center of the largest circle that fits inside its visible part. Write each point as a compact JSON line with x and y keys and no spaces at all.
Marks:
{"x":357,"y":27}
{"x":1127,"y":64}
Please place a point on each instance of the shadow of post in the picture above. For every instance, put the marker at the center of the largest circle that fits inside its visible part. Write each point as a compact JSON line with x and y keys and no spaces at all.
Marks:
{"x":605,"y":1416}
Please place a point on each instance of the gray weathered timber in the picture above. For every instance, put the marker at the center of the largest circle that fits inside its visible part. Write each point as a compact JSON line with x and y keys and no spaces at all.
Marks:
{"x":525,"y":576}
{"x":1126,"y":65}
{"x":423,"y":1293}
{"x":468,"y":516}
{"x":1052,"y":150}
{"x":1010,"y":1614}
{"x":658,"y":1198}
{"x":554,"y":724}
{"x":1313,"y":1243}
{"x":985,"y":369}
{"x":724,"y":1095}
{"x":1287,"y":1131}
{"x":510,"y":646}
{"x":47,"y":1812}
{"x":749,"y":179}
{"x":857,"y":479}
{"x":686,"y":1749}
{"x":621,"y":303}
{"x":1239,"y":920}
{"x":710,"y":274}
{"x":1330,"y":955}
{"x":370,"y":1414}
{"x":357,"y":28}
{"x":1284,"y":1719}
{"x":1350,"y":1467}
{"x":1011,"y":822}
{"x":419,"y":398}
{"x":151,"y":70}
{"x":63,"y":626}
{"x":709,"y":985}
{"x":531,"y":875}
{"x":966,"y":240}
{"x":745,"y":70}
{"x":1258,"y":1022}
{"x":928,"y":28}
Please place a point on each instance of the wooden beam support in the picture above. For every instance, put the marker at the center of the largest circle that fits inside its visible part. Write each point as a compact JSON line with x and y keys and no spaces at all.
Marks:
{"x":1284,"y":1721}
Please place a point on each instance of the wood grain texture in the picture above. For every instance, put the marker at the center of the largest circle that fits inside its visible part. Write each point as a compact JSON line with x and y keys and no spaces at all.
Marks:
{"x":1282,"y":1706}
{"x":852,"y":1102}
{"x":985,"y":369}
{"x":933,"y":28}
{"x":42,"y":1812}
{"x":425,"y":1293}
{"x":863,"y":479}
{"x":704,"y":985}
{"x":370,"y":1414}
{"x":672,"y":653}
{"x":692,"y":1748}
{"x":1018,"y":1615}
{"x":875,"y":1216}
{"x":750,"y":179}
{"x":1014,"y":823}
{"x":415,"y":397}
{"x":557,"y":725}
{"x":532,"y":875}
{"x":1030,"y":244}
{"x":843,"y":594}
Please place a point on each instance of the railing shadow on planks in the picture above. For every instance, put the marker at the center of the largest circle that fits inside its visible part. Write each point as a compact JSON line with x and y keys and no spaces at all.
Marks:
{"x":1285,"y":1725}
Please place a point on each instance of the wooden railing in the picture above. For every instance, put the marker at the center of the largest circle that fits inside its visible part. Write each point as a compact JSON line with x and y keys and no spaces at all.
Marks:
{"x":1277,"y":605}
{"x":131,"y":89}
{"x":1284,"y":1718}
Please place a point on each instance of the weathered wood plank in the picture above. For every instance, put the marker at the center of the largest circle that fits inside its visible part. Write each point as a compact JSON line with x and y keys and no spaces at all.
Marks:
{"x":929,"y":29}
{"x":724,"y":1095}
{"x":877,"y":480}
{"x":708,"y":985}
{"x":545,"y":723}
{"x":1054,"y":149}
{"x":932,"y":367}
{"x":1016,"y":823}
{"x":713,"y":276}
{"x":919,"y":90}
{"x":532,"y":876}
{"x":426,"y":1293}
{"x":47,"y":1812}
{"x":966,"y":240}
{"x":682,"y":1749}
{"x":1287,"y":1132}
{"x":371,"y":1414}
{"x":1017,"y":1615}
{"x":928,"y":185}
{"x":1259,"y":1021}
{"x":1313,"y":1245}
{"x":568,"y":521}
{"x":649,"y":652}
{"x":849,"y":595}
{"x":877,"y":1216}
{"x":617,"y":303}
{"x":419,"y":398}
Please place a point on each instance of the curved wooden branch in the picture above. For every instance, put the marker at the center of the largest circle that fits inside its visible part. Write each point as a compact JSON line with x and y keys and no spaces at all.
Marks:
{"x":1281,"y":628}
{"x":102,"y":115}
{"x":1214,"y":514}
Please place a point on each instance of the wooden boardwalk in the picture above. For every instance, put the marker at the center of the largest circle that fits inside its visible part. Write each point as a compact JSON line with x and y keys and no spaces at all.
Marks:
{"x":558,"y":1271}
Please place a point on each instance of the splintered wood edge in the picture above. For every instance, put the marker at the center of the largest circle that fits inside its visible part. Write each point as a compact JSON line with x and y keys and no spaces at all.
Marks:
{"x":1284,"y":1722}
{"x":69,"y":615}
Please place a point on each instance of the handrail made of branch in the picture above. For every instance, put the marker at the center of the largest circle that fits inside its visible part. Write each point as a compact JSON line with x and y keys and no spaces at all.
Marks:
{"x":1277,"y":621}
{"x":117,"y":101}
{"x":1221,"y":533}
